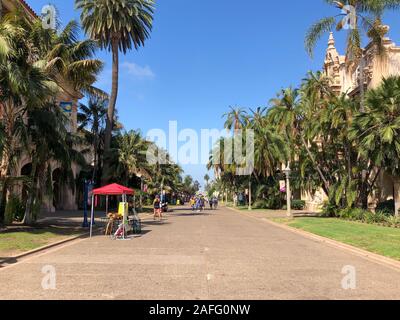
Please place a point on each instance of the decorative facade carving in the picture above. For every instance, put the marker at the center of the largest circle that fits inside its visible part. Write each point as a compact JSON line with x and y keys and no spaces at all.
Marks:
{"x":372,"y":67}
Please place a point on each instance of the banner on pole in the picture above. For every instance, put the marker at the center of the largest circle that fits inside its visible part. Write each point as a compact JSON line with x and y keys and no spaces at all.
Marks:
{"x":282,"y":186}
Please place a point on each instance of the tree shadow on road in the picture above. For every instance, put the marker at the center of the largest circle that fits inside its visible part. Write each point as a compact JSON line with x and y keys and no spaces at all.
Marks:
{"x":193,"y":214}
{"x":7,"y":261}
{"x":155,"y":223}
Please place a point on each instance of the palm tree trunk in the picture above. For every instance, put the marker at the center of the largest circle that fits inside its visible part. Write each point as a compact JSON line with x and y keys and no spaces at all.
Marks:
{"x":96,"y":164}
{"x":111,"y":106}
{"x":28,"y":217}
{"x":364,"y":188}
{"x":317,"y":167}
{"x":362,"y":90}
{"x":4,"y":166}
{"x":3,"y":201}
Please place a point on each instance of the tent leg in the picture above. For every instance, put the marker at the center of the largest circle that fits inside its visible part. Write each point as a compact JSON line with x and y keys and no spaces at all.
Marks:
{"x":123,"y":219}
{"x":92,"y":217}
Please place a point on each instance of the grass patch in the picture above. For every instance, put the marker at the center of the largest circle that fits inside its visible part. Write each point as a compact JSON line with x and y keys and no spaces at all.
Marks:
{"x":381,"y":240}
{"x":16,"y":242}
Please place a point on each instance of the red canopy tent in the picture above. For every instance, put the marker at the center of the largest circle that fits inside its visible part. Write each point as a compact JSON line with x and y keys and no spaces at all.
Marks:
{"x":110,"y":190}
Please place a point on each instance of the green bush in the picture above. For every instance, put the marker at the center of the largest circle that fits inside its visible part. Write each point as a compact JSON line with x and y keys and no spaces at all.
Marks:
{"x":329,"y":210}
{"x":298,"y":205}
{"x":353,"y":214}
{"x":260,"y":204}
{"x":14,"y":210}
{"x":371,"y":217}
{"x":386,"y":207}
{"x":274,"y":203}
{"x":393,"y":221}
{"x":362,"y":215}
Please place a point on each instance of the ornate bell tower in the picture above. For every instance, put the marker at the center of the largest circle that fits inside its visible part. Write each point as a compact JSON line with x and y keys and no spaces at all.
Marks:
{"x":333,"y":64}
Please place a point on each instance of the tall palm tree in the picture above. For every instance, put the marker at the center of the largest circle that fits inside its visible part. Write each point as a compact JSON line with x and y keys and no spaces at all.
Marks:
{"x":91,"y":120}
{"x":235,"y":118}
{"x":367,"y":18}
{"x":117,"y":25}
{"x":287,"y":113}
{"x":332,"y":147}
{"x":24,"y":84}
{"x":36,"y":64}
{"x":271,"y":149}
{"x":50,"y":141}
{"x":207,"y":179}
{"x":377,"y":132}
{"x":132,"y":153}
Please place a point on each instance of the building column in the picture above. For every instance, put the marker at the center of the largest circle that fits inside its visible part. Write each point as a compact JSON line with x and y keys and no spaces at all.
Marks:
{"x":396,"y":195}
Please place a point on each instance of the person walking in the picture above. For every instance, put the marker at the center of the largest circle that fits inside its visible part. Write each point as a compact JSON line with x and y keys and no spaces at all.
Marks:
{"x":192,"y":203}
{"x":157,"y":208}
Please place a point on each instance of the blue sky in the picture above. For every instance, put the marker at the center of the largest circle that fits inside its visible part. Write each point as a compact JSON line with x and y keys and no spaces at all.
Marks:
{"x":206,"y":55}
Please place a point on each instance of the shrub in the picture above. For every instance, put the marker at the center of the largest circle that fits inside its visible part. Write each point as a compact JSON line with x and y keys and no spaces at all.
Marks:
{"x":14,"y":210}
{"x":298,"y":205}
{"x":386,"y":207}
{"x":353,"y":214}
{"x":363,"y":215}
{"x":393,"y":221}
{"x":260,"y":204}
{"x":371,"y":217}
{"x":329,"y":210}
{"x":273,"y":203}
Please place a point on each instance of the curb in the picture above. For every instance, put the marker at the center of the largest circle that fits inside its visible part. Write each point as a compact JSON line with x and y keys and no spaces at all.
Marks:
{"x":382,"y":260}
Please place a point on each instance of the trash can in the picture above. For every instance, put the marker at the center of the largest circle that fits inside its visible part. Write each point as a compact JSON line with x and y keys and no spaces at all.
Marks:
{"x":136,"y":225}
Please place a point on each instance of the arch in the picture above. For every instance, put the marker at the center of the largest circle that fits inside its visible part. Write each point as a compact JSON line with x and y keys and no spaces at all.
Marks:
{"x":26,"y":170}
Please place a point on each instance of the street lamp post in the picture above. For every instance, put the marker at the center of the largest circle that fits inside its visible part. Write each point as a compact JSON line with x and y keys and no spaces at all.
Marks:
{"x":141,"y":191}
{"x":287,"y":172}
{"x":250,"y":204}
{"x":85,"y":223}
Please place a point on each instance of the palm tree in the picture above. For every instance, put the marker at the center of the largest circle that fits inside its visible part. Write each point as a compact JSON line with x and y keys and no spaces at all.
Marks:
{"x":363,"y":8}
{"x":287,"y":113}
{"x":327,"y":132}
{"x":207,"y":179}
{"x":132,"y":153}
{"x":24,"y":84}
{"x":271,"y":149}
{"x":91,"y":120}
{"x":50,"y":141}
{"x":35,"y":65}
{"x":363,"y":22}
{"x":117,"y":25}
{"x":377,"y":133}
{"x":235,"y":118}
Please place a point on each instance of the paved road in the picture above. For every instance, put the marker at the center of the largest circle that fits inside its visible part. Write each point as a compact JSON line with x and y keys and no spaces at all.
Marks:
{"x":222,"y":255}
